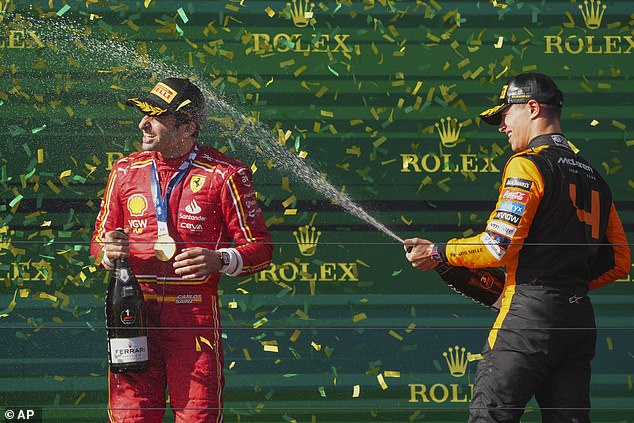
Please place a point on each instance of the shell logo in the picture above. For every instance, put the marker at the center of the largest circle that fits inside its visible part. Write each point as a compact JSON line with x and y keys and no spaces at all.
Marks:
{"x":137,"y":204}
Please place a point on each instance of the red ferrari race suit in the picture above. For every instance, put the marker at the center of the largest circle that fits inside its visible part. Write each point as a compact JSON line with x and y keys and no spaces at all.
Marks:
{"x":557,"y":232}
{"x":212,"y":206}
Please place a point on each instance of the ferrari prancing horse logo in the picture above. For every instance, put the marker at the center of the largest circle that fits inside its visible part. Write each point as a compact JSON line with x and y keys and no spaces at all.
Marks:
{"x":196,"y":183}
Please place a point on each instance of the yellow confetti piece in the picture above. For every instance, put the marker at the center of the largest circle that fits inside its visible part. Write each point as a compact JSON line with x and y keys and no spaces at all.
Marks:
{"x":247,"y":356}
{"x":618,"y":125}
{"x":594,"y":122}
{"x":295,"y":335}
{"x":232,"y":365}
{"x":392,"y":373}
{"x":356,"y":391}
{"x":395,"y":335}
{"x":303,"y":154}
{"x":406,"y":221}
{"x":271,"y":348}
{"x":290,"y":200}
{"x":379,"y":141}
{"x":57,"y":378}
{"x":206,"y":342}
{"x":79,"y":398}
{"x":270,"y":12}
{"x":316,"y":346}
{"x":287,"y":63}
{"x":260,"y":322}
{"x":381,"y":380}
{"x":499,"y":42}
{"x":474,"y":357}
{"x":233,"y":304}
{"x":290,"y":212}
{"x":410,"y":328}
{"x":609,"y":342}
{"x":146,"y":3}
{"x":433,"y":37}
{"x":358,"y":317}
{"x":326,"y":113}
{"x":40,"y":156}
{"x":301,"y":314}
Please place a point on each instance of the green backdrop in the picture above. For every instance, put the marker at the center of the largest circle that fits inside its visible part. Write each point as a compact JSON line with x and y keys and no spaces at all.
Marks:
{"x":376,"y":99}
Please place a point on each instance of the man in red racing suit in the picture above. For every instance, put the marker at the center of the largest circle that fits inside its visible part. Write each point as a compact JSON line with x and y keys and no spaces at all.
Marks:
{"x":556,"y":231}
{"x":211,"y":207}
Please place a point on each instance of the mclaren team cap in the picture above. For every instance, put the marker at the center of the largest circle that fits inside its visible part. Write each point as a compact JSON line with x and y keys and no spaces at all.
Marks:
{"x":169,"y":96}
{"x":521,"y":89}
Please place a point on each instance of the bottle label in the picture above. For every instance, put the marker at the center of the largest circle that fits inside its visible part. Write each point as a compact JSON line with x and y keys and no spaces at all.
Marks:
{"x":128,"y":350}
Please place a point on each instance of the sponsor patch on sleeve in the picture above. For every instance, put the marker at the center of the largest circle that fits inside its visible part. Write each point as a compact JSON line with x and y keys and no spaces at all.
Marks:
{"x":511,"y":218}
{"x":501,"y":228}
{"x":519,"y":183}
{"x":492,"y":246}
{"x":500,"y":240}
{"x":514,"y":195}
{"x":512,"y":207}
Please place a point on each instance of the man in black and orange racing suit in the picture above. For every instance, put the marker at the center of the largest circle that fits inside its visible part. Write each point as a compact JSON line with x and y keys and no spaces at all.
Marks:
{"x":556,"y":231}
{"x":208,"y":205}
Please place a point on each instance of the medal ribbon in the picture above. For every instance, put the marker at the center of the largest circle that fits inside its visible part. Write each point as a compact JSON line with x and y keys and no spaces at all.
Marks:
{"x":161,"y":201}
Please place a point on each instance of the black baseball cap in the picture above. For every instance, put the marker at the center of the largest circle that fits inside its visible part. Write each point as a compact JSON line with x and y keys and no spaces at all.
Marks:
{"x":171,"y":96}
{"x":521,"y":89}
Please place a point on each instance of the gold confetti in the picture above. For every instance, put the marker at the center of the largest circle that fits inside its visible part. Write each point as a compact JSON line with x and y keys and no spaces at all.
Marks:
{"x":358,"y":317}
{"x":395,"y":335}
{"x":381,"y":380}
{"x":356,"y":391}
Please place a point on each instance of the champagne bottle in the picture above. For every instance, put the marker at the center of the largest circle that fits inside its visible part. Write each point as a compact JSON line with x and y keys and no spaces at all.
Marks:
{"x":126,"y":321}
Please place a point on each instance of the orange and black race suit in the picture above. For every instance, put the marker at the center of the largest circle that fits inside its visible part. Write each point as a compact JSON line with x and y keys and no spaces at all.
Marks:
{"x":557,"y":232}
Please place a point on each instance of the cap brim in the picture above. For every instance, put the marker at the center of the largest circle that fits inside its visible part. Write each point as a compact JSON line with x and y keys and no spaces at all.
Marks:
{"x":493,"y":116}
{"x":146,"y":107}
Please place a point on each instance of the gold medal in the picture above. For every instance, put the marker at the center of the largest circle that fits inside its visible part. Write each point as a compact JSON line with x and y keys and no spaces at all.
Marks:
{"x":164,"y":247}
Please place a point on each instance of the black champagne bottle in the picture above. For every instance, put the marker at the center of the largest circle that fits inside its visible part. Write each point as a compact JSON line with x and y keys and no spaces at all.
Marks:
{"x":126,"y":321}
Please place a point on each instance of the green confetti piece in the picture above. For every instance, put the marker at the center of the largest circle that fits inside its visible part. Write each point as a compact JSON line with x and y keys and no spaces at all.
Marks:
{"x":63,"y":10}
{"x":179,"y":30}
{"x":182,"y":14}
{"x":333,"y":71}
{"x":36,"y":130}
{"x":28,"y":175}
{"x":396,"y":272}
{"x":16,"y":200}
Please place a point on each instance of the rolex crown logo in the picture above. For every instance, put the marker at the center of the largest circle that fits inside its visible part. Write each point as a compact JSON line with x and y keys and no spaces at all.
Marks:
{"x":449,"y":131}
{"x":307,"y":239}
{"x":301,"y":12}
{"x":457,"y":360}
{"x":593,"y":14}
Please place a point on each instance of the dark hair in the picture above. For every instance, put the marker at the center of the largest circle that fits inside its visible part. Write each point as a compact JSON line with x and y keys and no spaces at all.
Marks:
{"x":196,"y":116}
{"x":551,"y":111}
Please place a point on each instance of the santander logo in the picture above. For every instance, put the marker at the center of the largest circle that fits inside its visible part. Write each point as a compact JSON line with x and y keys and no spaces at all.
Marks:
{"x":193,"y":208}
